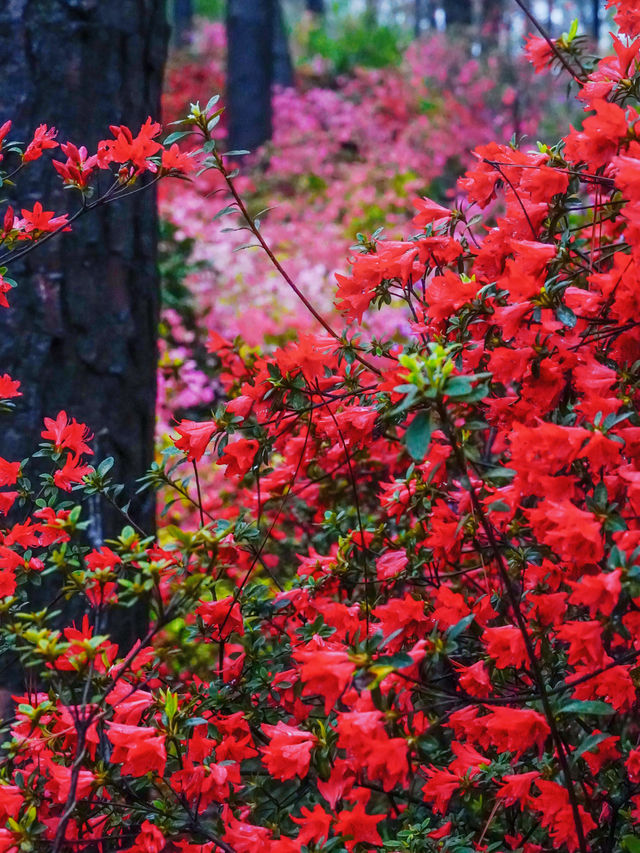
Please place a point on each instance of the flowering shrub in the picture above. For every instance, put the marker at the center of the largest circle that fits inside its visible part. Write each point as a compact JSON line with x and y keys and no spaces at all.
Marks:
{"x":417,"y":587}
{"x":350,"y":155}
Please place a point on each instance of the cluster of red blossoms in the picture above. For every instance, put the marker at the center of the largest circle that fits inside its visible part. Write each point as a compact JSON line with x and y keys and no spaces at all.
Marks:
{"x":409,"y":610}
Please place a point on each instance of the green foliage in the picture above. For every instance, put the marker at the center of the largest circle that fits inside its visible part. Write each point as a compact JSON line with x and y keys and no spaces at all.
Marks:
{"x":213,"y":9}
{"x":359,"y":44}
{"x":175,"y":265}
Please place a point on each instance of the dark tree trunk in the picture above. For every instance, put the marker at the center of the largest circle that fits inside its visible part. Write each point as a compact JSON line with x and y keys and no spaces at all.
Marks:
{"x":182,"y":21}
{"x":492,"y":15}
{"x":595,"y":20}
{"x":316,"y":6}
{"x":282,"y":66}
{"x":250,"y":28}
{"x":81,"y":333}
{"x":458,"y":12}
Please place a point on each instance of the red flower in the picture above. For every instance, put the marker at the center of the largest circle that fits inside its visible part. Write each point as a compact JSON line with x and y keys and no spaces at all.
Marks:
{"x":174,"y":160}
{"x":9,"y":472}
{"x":315,"y":824}
{"x":224,"y":615}
{"x":474,"y":679}
{"x":139,"y":749}
{"x":59,"y":783}
{"x":43,"y":138}
{"x":9,"y":387}
{"x":148,"y":840}
{"x":539,"y":52}
{"x":600,"y":593}
{"x":67,"y":433}
{"x":441,"y":785}
{"x":289,"y":751}
{"x":78,"y":167}
{"x":428,"y":212}
{"x":516,"y":787}
{"x":38,"y":221}
{"x":103,"y":558}
{"x":633,"y":765}
{"x":73,"y":471}
{"x":627,"y":16}
{"x":516,"y":729}
{"x":194,"y":437}
{"x":7,"y":499}
{"x":239,"y":456}
{"x":325,"y":670}
{"x":127,"y":148}
{"x":505,"y":644}
{"x":358,"y":827}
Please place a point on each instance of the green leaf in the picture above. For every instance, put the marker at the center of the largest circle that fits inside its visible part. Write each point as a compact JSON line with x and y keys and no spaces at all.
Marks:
{"x":211,"y":104}
{"x":196,"y":721}
{"x":176,"y":136}
{"x":230,"y":208}
{"x":589,"y":744}
{"x":105,"y":466}
{"x":400,"y":660}
{"x":457,"y":629}
{"x":418,"y":436}
{"x":631,"y":843}
{"x":589,"y":707}
{"x":457,"y":386}
{"x":500,"y":473}
{"x":566,"y":316}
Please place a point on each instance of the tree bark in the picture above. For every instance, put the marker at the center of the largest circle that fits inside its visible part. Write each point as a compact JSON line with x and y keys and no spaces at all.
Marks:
{"x":81,"y":333}
{"x":250,"y":28}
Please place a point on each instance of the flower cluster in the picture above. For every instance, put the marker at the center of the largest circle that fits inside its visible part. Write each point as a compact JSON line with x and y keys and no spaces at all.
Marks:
{"x":350,"y":156}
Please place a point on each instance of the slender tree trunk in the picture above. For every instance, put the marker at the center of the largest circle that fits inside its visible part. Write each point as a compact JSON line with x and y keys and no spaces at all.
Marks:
{"x":81,"y":333}
{"x":182,"y":20}
{"x":250,"y":27}
{"x":492,"y":13}
{"x":282,"y":66}
{"x":458,"y":12}
{"x":595,"y":20}
{"x":316,"y":6}
{"x":418,"y":16}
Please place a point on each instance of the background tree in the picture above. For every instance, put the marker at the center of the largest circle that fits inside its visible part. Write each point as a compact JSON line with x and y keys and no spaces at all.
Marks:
{"x":458,"y":12}
{"x":282,"y":65}
{"x":492,"y":20}
{"x":81,"y":334}
{"x":257,"y":57}
{"x":182,"y":20}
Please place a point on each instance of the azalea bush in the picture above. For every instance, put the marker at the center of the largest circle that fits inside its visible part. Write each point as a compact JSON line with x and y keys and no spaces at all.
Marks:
{"x":350,"y":152}
{"x":406,"y":616}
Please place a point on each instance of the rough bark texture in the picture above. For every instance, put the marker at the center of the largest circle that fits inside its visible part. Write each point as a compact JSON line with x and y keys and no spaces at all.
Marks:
{"x":81,"y":331}
{"x":250,"y":30}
